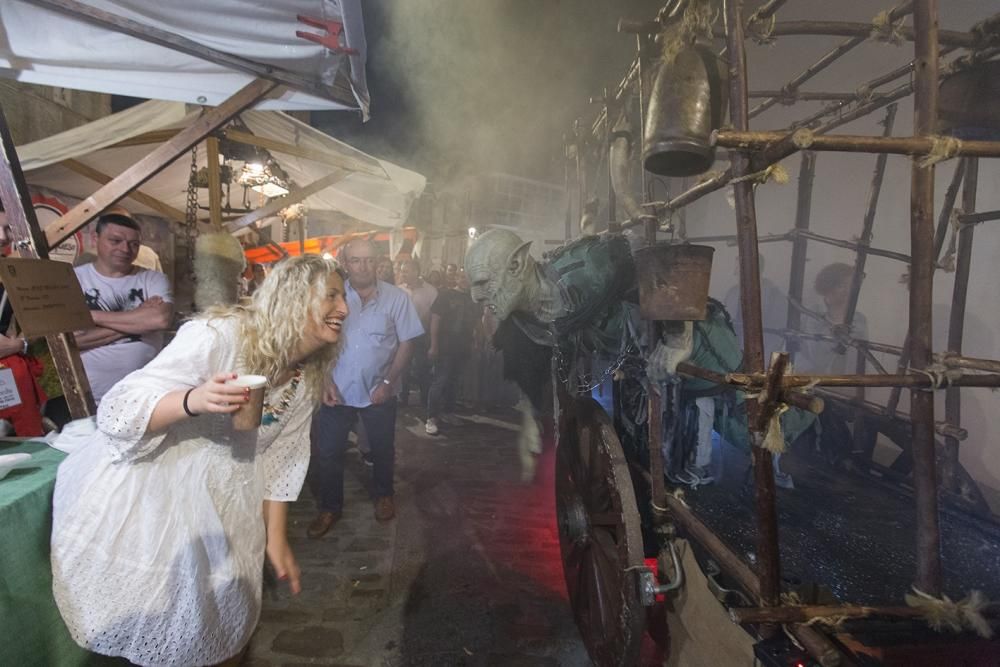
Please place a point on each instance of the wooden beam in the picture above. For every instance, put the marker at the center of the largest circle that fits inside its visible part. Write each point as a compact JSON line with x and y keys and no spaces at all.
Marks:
{"x":29,"y":241}
{"x":850,"y":143}
{"x":136,"y":195}
{"x":275,"y":205}
{"x":214,"y":182}
{"x":161,"y":157}
{"x":312,"y":85}
{"x":146,"y":138}
{"x":323,"y":157}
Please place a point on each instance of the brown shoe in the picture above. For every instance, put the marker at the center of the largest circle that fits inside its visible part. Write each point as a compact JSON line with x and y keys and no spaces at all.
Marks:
{"x":322,"y":524}
{"x":385,"y":508}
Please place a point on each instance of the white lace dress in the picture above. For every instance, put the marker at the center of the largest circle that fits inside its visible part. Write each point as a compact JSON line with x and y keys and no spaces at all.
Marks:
{"x":158,"y":541}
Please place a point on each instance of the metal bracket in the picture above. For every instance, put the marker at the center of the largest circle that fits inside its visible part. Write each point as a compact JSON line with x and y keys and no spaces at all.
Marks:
{"x":648,"y":589}
{"x":720,"y":593}
{"x":331,"y":40}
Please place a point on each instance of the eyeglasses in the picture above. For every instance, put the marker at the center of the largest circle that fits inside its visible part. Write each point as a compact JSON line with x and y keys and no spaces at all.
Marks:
{"x":355,"y":261}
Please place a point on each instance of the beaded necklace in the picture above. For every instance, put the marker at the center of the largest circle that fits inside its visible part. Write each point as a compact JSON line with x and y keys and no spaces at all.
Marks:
{"x":272,"y":413}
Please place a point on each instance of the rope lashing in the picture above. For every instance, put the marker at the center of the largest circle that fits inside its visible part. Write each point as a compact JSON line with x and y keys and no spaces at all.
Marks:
{"x":940,"y":375}
{"x":803,"y":138}
{"x":775,"y":172}
{"x":761,"y":30}
{"x":942,"y":148}
{"x":945,"y":614}
{"x":774,"y":439}
{"x":884,"y":30}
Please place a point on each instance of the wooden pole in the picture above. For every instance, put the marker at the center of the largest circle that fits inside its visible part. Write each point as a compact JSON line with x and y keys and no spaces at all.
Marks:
{"x":849,"y":143}
{"x":915,"y":381}
{"x":158,"y":160}
{"x":942,"y":428}
{"x":214,"y":182}
{"x":279,"y":76}
{"x":806,"y":613}
{"x":965,"y":40}
{"x":793,"y":398}
{"x":30,"y":242}
{"x":956,"y":324}
{"x":791,"y":88}
{"x":768,"y":558}
{"x":865,"y":240}
{"x":851,"y":245}
{"x":948,"y":206}
{"x":796,"y":279}
{"x":925,"y":23}
{"x":974,"y":218}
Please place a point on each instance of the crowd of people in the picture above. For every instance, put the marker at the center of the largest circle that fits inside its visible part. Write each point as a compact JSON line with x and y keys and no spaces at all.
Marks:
{"x":163,"y":468}
{"x":200,"y":503}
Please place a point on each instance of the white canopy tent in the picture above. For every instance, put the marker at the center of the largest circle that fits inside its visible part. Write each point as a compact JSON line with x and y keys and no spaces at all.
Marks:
{"x":381,"y":200}
{"x":45,"y":47}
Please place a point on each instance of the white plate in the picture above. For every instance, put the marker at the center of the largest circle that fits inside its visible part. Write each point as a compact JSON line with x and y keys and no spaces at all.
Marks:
{"x":10,"y":461}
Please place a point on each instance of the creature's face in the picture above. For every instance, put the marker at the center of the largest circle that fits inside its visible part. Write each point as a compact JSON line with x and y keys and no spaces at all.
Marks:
{"x":500,"y":272}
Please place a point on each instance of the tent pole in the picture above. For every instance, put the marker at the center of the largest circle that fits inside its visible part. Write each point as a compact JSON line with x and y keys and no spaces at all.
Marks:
{"x":214,"y":182}
{"x":158,"y":160}
{"x":926,"y":65}
{"x":768,"y":558}
{"x":31,"y":243}
{"x":800,"y":243}
{"x":865,"y":240}
{"x":956,"y":326}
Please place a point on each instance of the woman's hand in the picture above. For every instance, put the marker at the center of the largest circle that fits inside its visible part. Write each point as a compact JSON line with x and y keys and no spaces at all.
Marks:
{"x":279,"y":553}
{"x":217,"y":396}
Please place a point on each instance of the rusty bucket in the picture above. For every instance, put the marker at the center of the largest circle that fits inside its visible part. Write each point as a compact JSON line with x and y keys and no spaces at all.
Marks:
{"x":969,"y":103}
{"x":673,"y":281}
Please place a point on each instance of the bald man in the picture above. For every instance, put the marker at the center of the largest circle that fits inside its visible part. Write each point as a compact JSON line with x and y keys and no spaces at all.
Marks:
{"x":378,"y":333}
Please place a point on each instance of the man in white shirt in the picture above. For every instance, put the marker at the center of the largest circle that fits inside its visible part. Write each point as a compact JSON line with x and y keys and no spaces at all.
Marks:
{"x":131,"y":306}
{"x":422,"y":294}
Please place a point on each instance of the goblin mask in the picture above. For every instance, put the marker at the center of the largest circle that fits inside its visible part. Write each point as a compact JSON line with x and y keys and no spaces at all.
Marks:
{"x":501,"y":272}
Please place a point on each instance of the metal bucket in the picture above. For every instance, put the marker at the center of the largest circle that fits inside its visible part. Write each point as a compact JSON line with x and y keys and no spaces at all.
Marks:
{"x":673,"y":281}
{"x":687,"y":102}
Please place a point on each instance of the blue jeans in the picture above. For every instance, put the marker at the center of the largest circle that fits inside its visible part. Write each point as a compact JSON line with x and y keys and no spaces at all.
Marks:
{"x":329,"y":442}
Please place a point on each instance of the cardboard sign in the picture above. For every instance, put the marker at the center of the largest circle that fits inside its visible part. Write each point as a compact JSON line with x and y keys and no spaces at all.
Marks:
{"x":9,"y":395}
{"x":46,"y":296}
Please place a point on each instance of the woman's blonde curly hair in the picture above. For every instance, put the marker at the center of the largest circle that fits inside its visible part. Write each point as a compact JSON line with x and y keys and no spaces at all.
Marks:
{"x":272,"y":321}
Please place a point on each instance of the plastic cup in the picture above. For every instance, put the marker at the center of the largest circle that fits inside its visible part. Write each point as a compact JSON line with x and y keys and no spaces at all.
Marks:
{"x":247,"y":418}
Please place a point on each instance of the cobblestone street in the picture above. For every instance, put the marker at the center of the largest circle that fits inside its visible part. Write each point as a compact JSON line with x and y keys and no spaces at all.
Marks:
{"x":467,"y":574}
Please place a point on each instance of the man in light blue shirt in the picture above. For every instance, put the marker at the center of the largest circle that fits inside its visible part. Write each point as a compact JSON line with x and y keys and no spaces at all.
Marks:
{"x":378,"y":335}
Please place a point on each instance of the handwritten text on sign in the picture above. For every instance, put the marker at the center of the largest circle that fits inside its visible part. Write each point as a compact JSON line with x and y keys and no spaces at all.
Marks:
{"x":46,"y":296}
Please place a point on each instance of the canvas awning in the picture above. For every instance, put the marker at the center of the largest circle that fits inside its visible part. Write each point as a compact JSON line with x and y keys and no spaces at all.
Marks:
{"x":41,"y":46}
{"x":374,"y":191}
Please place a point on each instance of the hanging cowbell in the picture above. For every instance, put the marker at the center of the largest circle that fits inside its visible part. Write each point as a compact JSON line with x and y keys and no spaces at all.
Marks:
{"x":688,"y":102}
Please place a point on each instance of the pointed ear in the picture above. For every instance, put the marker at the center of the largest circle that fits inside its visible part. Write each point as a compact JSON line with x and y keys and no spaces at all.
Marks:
{"x":518,"y":259}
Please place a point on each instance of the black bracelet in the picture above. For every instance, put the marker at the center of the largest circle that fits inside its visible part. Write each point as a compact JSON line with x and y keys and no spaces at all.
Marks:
{"x":185,"y":403}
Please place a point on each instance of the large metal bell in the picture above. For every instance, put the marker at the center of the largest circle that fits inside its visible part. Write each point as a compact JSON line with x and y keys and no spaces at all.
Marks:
{"x":688,"y":101}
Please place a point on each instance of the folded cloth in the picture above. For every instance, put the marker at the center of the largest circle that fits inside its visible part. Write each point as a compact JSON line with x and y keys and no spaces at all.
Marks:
{"x":74,"y":435}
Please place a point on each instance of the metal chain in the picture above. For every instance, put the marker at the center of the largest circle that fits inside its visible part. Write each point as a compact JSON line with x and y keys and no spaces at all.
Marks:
{"x":586,"y":383}
{"x":191,"y":214}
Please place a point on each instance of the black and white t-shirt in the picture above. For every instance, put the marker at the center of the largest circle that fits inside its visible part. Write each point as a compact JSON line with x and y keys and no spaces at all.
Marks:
{"x":108,"y":364}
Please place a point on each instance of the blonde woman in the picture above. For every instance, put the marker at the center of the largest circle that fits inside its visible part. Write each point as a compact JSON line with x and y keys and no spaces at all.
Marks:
{"x":162,"y":521}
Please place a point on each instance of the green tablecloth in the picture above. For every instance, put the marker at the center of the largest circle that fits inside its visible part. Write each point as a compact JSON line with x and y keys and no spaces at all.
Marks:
{"x":31,"y":630}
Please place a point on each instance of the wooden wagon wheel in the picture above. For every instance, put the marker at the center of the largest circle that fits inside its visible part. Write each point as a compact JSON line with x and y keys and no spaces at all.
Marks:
{"x":599,"y":534}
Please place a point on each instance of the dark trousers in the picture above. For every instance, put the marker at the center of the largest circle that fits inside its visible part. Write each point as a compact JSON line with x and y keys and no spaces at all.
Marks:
{"x":418,"y":372}
{"x":446,"y":378}
{"x":329,"y":442}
